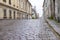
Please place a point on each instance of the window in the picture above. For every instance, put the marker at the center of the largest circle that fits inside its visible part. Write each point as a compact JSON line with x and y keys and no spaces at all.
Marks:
{"x":14,"y":14}
{"x":10,"y":16}
{"x":10,"y":2}
{"x":18,"y":15}
{"x":4,"y":0}
{"x":5,"y":16}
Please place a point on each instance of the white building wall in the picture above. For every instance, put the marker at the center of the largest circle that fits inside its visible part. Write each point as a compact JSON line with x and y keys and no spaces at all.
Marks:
{"x":57,"y":9}
{"x":47,"y":11}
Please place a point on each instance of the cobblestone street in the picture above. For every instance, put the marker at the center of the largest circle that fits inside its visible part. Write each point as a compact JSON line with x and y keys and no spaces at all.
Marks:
{"x":34,"y":29}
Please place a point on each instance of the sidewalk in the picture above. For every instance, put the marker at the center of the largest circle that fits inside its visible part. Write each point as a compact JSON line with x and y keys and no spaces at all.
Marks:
{"x":55,"y":25}
{"x":7,"y":22}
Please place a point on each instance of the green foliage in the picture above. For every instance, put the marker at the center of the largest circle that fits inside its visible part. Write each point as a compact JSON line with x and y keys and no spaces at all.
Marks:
{"x":33,"y":18}
{"x":50,"y":18}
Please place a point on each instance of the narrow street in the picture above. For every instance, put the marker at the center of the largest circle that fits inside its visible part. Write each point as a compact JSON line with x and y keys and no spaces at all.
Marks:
{"x":34,"y":29}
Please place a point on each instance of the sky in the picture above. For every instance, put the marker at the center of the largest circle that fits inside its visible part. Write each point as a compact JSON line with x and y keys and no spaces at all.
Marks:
{"x":38,"y":4}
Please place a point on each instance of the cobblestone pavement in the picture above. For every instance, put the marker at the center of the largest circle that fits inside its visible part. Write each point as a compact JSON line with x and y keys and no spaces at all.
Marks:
{"x":35,"y":29}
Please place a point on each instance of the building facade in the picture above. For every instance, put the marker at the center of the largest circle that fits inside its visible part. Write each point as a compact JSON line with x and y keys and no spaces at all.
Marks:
{"x":57,"y":10}
{"x":35,"y":15}
{"x":14,"y":9}
{"x":46,"y":9}
{"x":51,"y":9}
{"x":29,"y":10}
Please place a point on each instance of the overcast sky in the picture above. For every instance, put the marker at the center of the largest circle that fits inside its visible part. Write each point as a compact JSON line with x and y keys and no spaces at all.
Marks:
{"x":38,"y":4}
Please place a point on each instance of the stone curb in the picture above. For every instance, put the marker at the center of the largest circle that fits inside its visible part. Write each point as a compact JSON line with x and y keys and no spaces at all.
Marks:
{"x":53,"y":29}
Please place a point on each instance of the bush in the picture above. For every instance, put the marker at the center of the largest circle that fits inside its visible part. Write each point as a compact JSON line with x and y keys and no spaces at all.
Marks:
{"x":33,"y":18}
{"x":50,"y":18}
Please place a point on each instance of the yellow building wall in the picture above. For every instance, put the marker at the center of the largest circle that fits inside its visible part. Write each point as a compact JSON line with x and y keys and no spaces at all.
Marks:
{"x":18,"y":3}
{"x":22,"y":5}
{"x":13,"y":3}
{"x":1,"y":1}
{"x":27,"y":7}
{"x":7,"y":13}
{"x":1,"y":13}
{"x":16,"y":15}
{"x":30,"y":9}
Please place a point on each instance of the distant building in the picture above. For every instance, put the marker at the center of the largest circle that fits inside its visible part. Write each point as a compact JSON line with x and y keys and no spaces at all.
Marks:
{"x":15,"y":9}
{"x":37,"y":15}
{"x":34,"y":13}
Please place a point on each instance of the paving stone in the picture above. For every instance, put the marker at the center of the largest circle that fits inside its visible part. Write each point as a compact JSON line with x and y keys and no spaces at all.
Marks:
{"x":36,"y":29}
